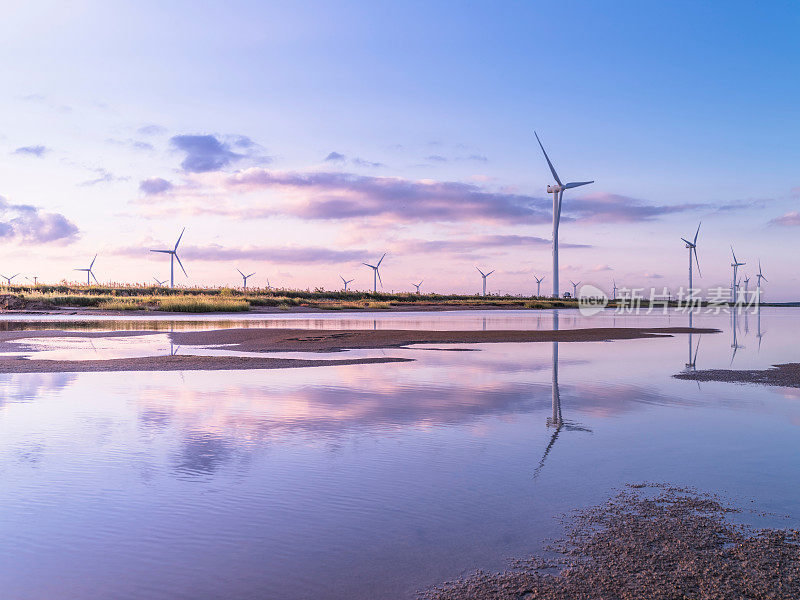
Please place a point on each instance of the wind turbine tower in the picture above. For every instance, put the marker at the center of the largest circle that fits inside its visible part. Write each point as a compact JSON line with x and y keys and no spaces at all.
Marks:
{"x":173,"y":255}
{"x":417,"y":285}
{"x":759,"y":277}
{"x":692,"y":247}
{"x":574,"y":288}
{"x":346,"y":281}
{"x":484,"y":275}
{"x":614,"y":289}
{"x":89,"y":272}
{"x":539,"y":281}
{"x":376,"y":275}
{"x":735,"y":264}
{"x":558,"y":192}
{"x":245,"y":278}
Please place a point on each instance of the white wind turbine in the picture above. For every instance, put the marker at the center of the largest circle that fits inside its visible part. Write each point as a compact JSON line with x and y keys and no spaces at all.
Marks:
{"x":746,"y":286}
{"x":34,"y":279}
{"x":90,"y":273}
{"x":376,"y":275}
{"x":417,"y":285}
{"x":346,"y":281}
{"x":735,"y":264}
{"x":8,"y":279}
{"x":614,"y":289}
{"x":484,"y":275}
{"x":160,"y":282}
{"x":558,"y":192}
{"x":759,"y":277}
{"x":173,"y":255}
{"x":245,"y":278}
{"x":574,"y":288}
{"x":539,"y":281}
{"x":692,"y":246}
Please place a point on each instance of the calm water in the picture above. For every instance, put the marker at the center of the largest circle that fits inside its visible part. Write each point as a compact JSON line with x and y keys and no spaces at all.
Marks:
{"x":372,"y":481}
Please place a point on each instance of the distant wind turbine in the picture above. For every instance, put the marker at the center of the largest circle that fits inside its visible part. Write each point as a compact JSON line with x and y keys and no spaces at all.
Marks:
{"x":558,"y":192}
{"x":484,"y":275}
{"x":159,"y":281}
{"x":34,"y":279}
{"x":614,"y":290}
{"x":574,"y":288}
{"x":173,"y":255}
{"x":759,"y":277}
{"x":376,"y":275}
{"x":417,"y":285}
{"x":346,"y":281}
{"x":539,"y":284}
{"x":8,"y":279}
{"x":735,"y":264}
{"x":692,"y":246}
{"x":245,"y":278}
{"x":746,"y":286}
{"x":89,"y":272}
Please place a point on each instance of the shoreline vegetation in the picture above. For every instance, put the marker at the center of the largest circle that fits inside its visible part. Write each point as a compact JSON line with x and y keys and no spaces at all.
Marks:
{"x":782,"y":375}
{"x":652,"y":541}
{"x":144,"y":298}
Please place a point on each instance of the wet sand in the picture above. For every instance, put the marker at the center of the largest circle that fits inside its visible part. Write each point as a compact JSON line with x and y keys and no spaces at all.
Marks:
{"x":784,"y":375}
{"x":651,"y":542}
{"x":174,"y":363}
{"x":304,"y":340}
{"x":289,"y":340}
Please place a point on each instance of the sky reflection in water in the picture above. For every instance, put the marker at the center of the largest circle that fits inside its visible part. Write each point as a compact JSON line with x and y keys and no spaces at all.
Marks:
{"x":373,"y":480}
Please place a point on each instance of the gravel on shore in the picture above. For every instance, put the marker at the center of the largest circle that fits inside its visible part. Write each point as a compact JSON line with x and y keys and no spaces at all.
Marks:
{"x":650,"y":542}
{"x":783,"y":375}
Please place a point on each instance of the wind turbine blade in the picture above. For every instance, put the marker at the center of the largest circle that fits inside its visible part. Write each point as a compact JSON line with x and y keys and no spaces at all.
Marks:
{"x":765,"y":279}
{"x":340,"y":277}
{"x":93,"y":277}
{"x":370,"y":266}
{"x":251,"y":274}
{"x":697,"y":261}
{"x":575,"y":184}
{"x":162,"y":251}
{"x":378,"y":273}
{"x":94,"y":259}
{"x":547,"y":158}
{"x":490,"y":272}
{"x":687,"y":241}
{"x":381,"y":260}
{"x":181,"y":264}
{"x":179,"y":240}
{"x":734,"y":255}
{"x":481,"y":272}
{"x":697,"y":232}
{"x":240,"y":273}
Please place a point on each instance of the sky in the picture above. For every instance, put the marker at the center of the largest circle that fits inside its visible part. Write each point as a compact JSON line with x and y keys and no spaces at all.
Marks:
{"x":297,"y":140}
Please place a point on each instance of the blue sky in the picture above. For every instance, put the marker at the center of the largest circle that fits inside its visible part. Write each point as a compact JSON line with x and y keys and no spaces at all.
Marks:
{"x":425,"y":113}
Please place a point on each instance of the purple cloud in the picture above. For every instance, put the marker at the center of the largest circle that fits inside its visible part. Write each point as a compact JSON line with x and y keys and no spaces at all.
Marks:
{"x":790,"y":219}
{"x":37,"y":151}
{"x":204,"y":153}
{"x":155,"y":186}
{"x":277,"y":254}
{"x":27,"y":224}
{"x":335,"y":157}
{"x":151,"y":129}
{"x":472,"y":244}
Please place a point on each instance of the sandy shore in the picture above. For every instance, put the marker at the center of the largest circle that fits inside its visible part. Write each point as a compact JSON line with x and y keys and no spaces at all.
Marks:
{"x":287,"y":340}
{"x":785,"y":375}
{"x":304,"y":340}
{"x":174,"y":363}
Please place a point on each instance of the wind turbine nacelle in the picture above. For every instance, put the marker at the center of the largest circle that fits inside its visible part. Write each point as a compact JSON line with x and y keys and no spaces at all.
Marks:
{"x":553,"y":189}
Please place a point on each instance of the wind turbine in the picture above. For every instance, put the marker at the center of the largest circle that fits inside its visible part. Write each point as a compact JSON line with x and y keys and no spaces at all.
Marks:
{"x":692,"y":246}
{"x":558,"y":192}
{"x":539,"y":284}
{"x":484,"y":275}
{"x":416,"y":285}
{"x":173,"y":255}
{"x":614,"y":292}
{"x":746,"y":286}
{"x":34,"y":279}
{"x":735,"y":264}
{"x":245,"y":278}
{"x":8,"y":279}
{"x":159,"y":281}
{"x":574,"y":288}
{"x":759,"y":277}
{"x":346,"y":281}
{"x":89,"y":272}
{"x":376,"y":276}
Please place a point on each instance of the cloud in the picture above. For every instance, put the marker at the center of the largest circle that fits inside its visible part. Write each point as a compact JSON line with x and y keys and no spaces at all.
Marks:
{"x":204,"y":153}
{"x":474,"y":157}
{"x":131,"y":143}
{"x":653,"y":276}
{"x":436,"y":158}
{"x":276,"y":254}
{"x":37,"y":151}
{"x":614,"y":208}
{"x":598,"y":268}
{"x":335,"y":157}
{"x":27,"y":224}
{"x":472,"y":244}
{"x":151,"y":129}
{"x":103,"y":176}
{"x":154,"y":186}
{"x":366,"y":163}
{"x":790,"y":219}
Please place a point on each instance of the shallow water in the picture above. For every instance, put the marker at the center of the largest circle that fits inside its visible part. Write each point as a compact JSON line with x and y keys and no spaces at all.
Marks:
{"x":373,"y":481}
